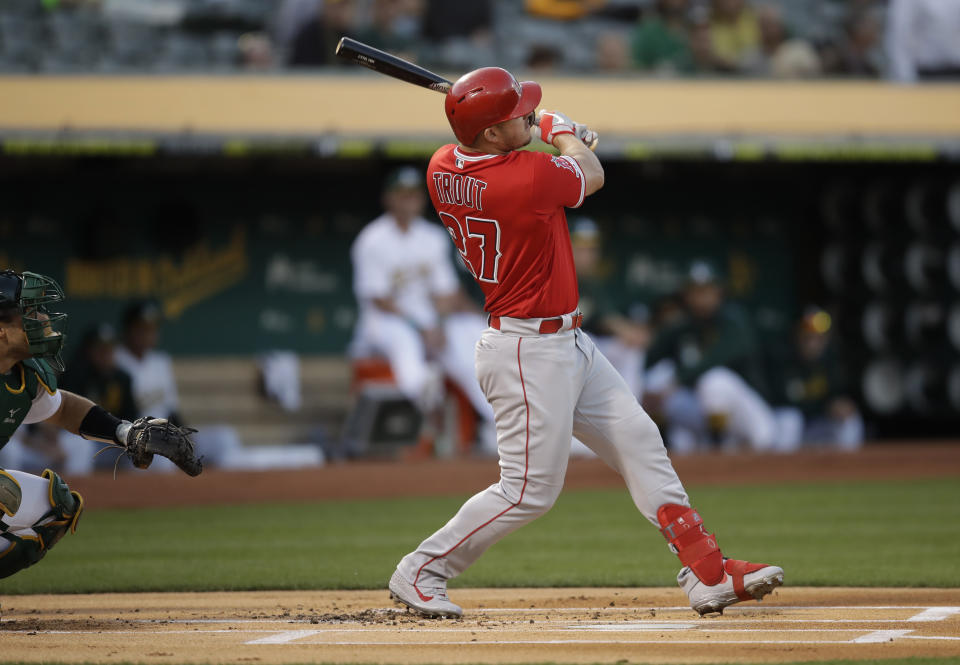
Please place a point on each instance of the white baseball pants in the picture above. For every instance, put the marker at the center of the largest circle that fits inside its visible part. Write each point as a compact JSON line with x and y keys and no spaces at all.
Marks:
{"x":544,"y":389}
{"x":392,"y":336}
{"x":34,"y":504}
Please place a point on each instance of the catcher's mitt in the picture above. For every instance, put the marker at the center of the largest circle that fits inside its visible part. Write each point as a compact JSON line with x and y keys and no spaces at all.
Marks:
{"x":149,"y":436}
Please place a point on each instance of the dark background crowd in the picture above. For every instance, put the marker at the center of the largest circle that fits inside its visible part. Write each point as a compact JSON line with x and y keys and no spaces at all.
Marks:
{"x":669,"y":38}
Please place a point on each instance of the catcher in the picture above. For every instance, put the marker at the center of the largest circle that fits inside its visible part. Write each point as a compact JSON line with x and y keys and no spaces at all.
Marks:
{"x":36,"y":511}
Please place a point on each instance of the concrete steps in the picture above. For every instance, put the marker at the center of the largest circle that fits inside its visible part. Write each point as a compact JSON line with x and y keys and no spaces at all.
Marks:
{"x":226,"y":390}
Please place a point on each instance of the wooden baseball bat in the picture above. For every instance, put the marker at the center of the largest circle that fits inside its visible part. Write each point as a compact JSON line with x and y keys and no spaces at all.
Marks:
{"x":391,"y":65}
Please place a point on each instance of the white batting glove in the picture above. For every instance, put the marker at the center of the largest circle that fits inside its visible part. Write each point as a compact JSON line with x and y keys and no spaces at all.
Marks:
{"x":589,"y":137}
{"x":552,"y":124}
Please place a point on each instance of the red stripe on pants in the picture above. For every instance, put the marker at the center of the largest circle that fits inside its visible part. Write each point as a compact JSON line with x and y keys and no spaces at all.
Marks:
{"x":526,"y":466}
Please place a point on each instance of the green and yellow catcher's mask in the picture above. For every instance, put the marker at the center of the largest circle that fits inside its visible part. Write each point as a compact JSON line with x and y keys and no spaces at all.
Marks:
{"x":32,"y":294}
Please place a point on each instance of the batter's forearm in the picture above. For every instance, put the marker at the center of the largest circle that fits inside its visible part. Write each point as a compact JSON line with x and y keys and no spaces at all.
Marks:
{"x":571,"y":146}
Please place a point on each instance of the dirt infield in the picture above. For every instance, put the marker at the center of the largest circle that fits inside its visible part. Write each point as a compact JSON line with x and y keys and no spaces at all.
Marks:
{"x":439,"y":477}
{"x":515,"y":626}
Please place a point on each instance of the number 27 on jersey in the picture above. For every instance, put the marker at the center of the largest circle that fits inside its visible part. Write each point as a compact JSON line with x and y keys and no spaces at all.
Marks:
{"x":478,"y":241}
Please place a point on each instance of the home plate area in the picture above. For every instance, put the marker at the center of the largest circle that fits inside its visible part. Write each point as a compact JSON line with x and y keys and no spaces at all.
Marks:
{"x":500,"y":626}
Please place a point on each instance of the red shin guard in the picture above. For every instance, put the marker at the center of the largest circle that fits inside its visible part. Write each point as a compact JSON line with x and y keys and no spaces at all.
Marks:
{"x":683,"y":529}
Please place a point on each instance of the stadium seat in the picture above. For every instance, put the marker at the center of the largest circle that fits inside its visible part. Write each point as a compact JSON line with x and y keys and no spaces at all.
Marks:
{"x":372,"y":379}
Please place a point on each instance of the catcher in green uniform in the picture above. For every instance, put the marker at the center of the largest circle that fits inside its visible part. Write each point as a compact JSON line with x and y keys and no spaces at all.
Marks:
{"x":36,"y":511}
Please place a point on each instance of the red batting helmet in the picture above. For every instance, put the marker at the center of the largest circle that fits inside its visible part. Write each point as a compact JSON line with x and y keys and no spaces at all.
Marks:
{"x":486,"y":96}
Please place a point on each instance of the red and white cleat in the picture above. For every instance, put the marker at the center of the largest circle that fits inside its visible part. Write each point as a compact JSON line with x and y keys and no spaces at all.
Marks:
{"x":741,"y":581}
{"x":429,"y":601}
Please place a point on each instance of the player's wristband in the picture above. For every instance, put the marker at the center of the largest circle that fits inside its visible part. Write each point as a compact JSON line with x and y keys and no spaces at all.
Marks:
{"x":100,"y":425}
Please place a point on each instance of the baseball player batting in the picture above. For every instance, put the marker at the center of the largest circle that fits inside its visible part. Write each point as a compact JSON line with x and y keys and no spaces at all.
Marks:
{"x":543,"y":376}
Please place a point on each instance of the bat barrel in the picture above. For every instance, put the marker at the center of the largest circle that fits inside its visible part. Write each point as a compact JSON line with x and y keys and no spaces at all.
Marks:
{"x":391,"y":65}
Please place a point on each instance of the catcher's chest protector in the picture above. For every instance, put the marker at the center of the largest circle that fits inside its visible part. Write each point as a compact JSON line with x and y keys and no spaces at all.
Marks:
{"x":17,"y":390}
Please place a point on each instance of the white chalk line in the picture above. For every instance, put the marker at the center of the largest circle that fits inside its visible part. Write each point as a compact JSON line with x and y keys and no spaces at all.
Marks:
{"x":928,"y":614}
{"x":543,"y":642}
{"x":754,"y":608}
{"x":931,"y":637}
{"x":540,"y":622}
{"x":286,"y":638}
{"x":135,"y":632}
{"x":878,"y":636}
{"x":935,"y":614}
{"x":480,"y":630}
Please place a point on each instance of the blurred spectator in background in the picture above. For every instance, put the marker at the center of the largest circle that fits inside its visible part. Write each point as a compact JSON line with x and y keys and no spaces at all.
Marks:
{"x":389,"y":28}
{"x":315,"y":41}
{"x":620,"y":338}
{"x":413,"y":310}
{"x":543,"y":59}
{"x":814,"y":405}
{"x":95,"y":374}
{"x":923,"y":39}
{"x":734,"y":36}
{"x":773,"y":32}
{"x":443,"y":20}
{"x":458,"y":33}
{"x":784,"y":56}
{"x":706,"y":373}
{"x":661,"y":41}
{"x":151,"y":371}
{"x":701,"y":42}
{"x":255,"y":51}
{"x":859,"y":50}
{"x":289,"y":18}
{"x":670,"y":37}
{"x":612,"y":52}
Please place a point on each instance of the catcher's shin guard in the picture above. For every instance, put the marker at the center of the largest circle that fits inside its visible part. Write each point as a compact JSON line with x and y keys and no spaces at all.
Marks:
{"x":66,"y":505}
{"x":19,"y":554}
{"x":28,"y":546}
{"x":683,"y":529}
{"x":10,"y":494}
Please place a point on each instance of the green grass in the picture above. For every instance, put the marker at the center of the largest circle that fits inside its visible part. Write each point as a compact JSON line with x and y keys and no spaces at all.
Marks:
{"x":861,"y":534}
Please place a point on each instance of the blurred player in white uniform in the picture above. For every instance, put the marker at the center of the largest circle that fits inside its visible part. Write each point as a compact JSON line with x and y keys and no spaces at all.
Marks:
{"x":413,"y":310}
{"x":150,"y":370}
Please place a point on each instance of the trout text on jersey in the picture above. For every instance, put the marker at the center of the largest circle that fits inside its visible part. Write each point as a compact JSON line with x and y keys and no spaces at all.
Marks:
{"x":459,"y":189}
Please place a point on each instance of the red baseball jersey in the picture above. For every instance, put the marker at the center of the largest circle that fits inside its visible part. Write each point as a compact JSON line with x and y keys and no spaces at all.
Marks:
{"x":506,"y":216}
